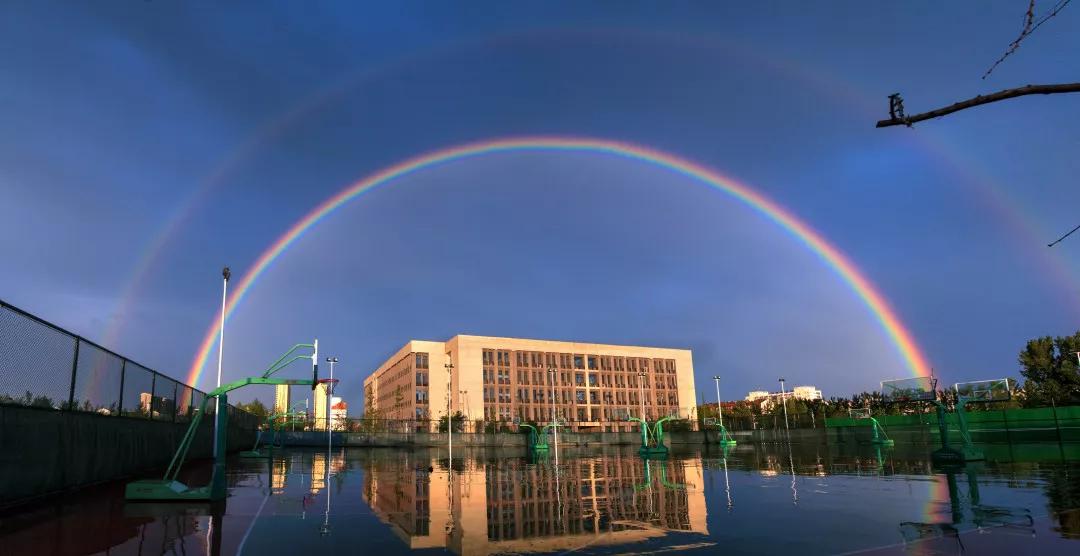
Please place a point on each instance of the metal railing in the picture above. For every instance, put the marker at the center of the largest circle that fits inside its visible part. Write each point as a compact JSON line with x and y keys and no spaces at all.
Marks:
{"x":43,"y":365}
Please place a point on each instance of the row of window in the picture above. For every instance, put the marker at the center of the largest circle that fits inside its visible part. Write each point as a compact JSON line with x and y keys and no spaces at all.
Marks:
{"x":524,"y":377}
{"x":539,"y":396}
{"x":580,"y":414}
{"x":540,"y":360}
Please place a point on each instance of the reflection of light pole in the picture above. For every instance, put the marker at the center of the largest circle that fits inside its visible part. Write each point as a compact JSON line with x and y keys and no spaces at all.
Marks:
{"x":783,"y":400}
{"x":449,"y":418}
{"x":554,"y":427}
{"x":719,"y":410}
{"x":225,"y":274}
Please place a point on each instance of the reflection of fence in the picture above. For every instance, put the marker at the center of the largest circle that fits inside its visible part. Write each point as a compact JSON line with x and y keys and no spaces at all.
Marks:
{"x":43,"y":365}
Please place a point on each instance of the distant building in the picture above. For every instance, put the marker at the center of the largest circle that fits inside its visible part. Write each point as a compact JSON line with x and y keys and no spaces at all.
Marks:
{"x":281,"y":398}
{"x":596,"y":386}
{"x":320,"y":396}
{"x":767,"y":399}
{"x":156,"y":406}
{"x":339,"y":413}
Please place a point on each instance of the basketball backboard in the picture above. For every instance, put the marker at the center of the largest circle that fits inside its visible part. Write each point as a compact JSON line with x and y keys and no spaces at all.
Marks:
{"x":916,"y":389}
{"x":994,"y":390}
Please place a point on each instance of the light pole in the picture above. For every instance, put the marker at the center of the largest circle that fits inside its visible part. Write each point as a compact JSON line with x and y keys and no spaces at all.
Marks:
{"x":225,"y":274}
{"x":783,"y":400}
{"x":719,"y":410}
{"x":329,"y":407}
{"x":449,"y":417}
{"x":641,"y":391}
{"x":554,"y":427}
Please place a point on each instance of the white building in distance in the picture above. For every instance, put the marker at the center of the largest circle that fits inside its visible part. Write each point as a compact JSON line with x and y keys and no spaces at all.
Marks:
{"x":766,"y":399}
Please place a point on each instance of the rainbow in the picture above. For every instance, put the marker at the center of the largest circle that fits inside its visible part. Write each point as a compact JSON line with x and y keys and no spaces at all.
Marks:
{"x":886,"y":317}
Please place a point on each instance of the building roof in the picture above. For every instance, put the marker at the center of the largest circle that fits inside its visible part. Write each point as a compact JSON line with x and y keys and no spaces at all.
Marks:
{"x":340,"y":405}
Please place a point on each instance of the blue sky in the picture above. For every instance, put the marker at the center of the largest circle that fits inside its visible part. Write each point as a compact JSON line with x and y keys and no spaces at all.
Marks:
{"x":120,"y":116}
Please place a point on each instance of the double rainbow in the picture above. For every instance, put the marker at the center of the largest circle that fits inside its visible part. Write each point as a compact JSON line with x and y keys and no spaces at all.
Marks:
{"x":886,"y":317}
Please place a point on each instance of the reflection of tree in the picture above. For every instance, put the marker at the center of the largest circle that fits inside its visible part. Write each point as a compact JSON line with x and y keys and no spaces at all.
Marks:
{"x":1063,"y":494}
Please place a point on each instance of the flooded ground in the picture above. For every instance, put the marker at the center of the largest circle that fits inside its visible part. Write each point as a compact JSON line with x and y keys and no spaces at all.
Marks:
{"x":753,"y":499}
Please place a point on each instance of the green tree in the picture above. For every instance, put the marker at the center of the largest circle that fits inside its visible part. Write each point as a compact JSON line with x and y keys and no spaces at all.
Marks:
{"x":1050,"y":370}
{"x":255,"y":408}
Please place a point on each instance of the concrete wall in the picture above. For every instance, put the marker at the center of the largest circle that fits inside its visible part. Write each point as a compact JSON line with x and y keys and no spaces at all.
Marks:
{"x":45,"y":452}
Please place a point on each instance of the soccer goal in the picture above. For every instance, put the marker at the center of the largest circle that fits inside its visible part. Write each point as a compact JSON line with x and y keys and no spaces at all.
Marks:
{"x":861,"y":413}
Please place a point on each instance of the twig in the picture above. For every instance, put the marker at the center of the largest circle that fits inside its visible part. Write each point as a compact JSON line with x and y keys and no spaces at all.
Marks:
{"x":1058,"y":240}
{"x":983,"y":99}
{"x":1030,"y":25}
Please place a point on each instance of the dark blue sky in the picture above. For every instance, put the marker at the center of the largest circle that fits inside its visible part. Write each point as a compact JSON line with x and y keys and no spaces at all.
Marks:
{"x":234,"y":121}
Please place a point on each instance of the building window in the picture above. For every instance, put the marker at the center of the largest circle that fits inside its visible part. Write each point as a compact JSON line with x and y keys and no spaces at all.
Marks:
{"x":592,"y":362}
{"x":581,"y":396}
{"x":592,"y":379}
{"x":579,"y":362}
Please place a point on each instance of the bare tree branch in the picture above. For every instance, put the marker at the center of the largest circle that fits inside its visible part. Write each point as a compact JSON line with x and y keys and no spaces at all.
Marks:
{"x":898,"y":118}
{"x":1058,"y":240}
{"x":1030,"y":25}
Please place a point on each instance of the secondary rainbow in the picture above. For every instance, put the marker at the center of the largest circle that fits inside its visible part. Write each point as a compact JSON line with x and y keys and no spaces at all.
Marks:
{"x":883,"y":313}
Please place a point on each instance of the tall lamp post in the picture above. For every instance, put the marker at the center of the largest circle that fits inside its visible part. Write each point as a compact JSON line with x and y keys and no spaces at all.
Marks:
{"x":329,"y":401}
{"x":449,"y":417}
{"x":551,"y":376}
{"x":225,"y":274}
{"x":641,"y":391}
{"x":783,"y":400}
{"x":719,"y":410}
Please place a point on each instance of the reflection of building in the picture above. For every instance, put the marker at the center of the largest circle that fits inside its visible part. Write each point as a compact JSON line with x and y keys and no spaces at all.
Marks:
{"x":596,"y":385}
{"x":506,"y":506}
{"x":281,"y":398}
{"x":157,"y":405}
{"x":339,"y":413}
{"x":768,"y":399}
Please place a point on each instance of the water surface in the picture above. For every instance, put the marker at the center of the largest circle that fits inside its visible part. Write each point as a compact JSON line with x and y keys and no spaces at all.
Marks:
{"x":805,"y":499}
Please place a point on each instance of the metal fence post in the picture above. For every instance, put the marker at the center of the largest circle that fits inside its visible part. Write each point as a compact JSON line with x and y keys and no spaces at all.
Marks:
{"x":153,"y":386}
{"x":120,"y":400}
{"x":176,"y":402}
{"x":74,"y":370}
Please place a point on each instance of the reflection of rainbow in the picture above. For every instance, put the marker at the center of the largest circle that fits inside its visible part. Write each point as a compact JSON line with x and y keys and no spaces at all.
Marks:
{"x":844,"y":268}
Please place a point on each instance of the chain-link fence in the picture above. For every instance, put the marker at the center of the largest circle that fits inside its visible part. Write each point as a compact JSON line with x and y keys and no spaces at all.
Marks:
{"x":43,"y":365}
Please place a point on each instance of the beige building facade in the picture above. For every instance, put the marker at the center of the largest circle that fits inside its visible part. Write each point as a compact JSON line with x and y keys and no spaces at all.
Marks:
{"x":592,"y":387}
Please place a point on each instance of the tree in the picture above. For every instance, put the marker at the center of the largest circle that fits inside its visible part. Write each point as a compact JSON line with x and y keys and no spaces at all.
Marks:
{"x":255,"y":408}
{"x":459,"y":422}
{"x":1051,"y":371}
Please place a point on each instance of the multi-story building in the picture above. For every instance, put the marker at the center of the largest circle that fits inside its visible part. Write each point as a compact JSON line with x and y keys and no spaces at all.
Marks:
{"x":589,"y":386}
{"x":321,"y":397}
{"x":767,"y":399}
{"x":281,"y":398}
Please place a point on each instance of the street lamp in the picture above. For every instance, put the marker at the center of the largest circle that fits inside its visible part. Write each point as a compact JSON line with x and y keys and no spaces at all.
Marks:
{"x":225,"y":275}
{"x":719,"y":410}
{"x":554,"y":427}
{"x":641,"y":391}
{"x":329,"y":400}
{"x":449,"y":418}
{"x":783,"y":400}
